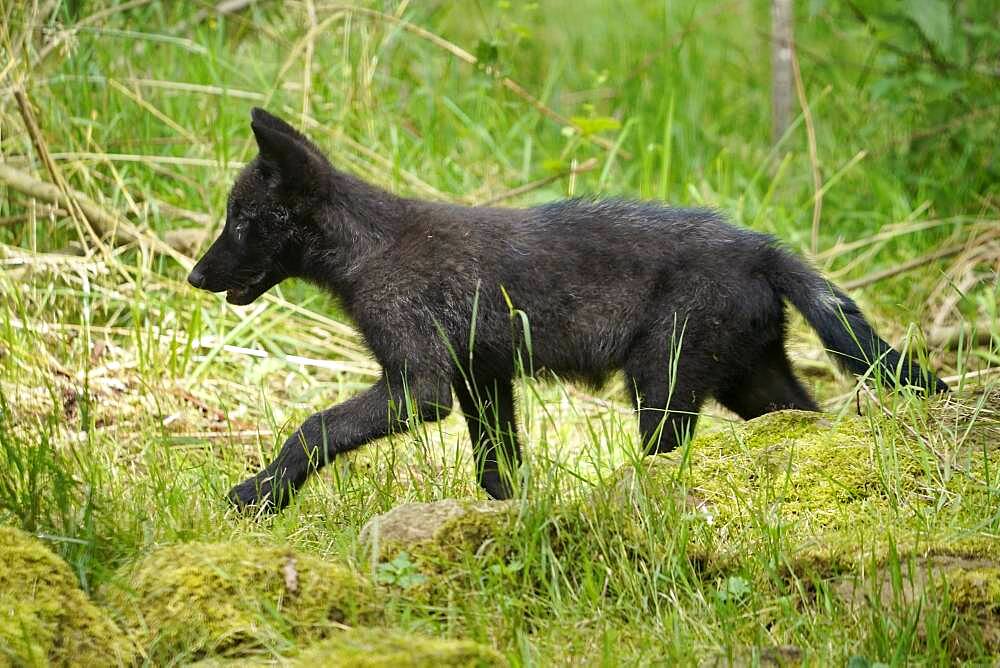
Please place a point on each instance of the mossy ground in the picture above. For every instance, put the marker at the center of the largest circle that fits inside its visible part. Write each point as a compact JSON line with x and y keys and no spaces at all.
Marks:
{"x":130,"y":403}
{"x":44,"y":616}
{"x":379,"y":648}
{"x":837,"y":503}
{"x":852,"y":512}
{"x":853,"y":503}
{"x":376,"y":648}
{"x":829,"y":490}
{"x":198,"y":599}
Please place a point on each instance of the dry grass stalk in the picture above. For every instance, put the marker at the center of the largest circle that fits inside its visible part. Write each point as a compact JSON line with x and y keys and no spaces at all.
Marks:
{"x":103,"y":222}
{"x":66,"y":196}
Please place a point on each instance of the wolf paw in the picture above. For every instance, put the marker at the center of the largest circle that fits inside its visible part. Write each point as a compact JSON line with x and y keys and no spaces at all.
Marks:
{"x":257,"y":494}
{"x":496,"y":486}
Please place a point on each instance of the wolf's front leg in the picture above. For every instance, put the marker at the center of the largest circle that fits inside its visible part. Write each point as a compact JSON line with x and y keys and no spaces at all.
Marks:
{"x":380,"y":410}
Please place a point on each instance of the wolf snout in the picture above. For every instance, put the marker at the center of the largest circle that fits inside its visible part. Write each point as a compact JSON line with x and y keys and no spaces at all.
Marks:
{"x":197,"y":278}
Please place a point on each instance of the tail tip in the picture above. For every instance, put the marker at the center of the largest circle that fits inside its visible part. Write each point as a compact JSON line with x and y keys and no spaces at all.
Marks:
{"x":928,"y":381}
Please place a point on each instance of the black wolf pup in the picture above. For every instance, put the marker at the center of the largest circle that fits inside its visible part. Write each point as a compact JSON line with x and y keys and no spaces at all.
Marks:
{"x":453,"y":298}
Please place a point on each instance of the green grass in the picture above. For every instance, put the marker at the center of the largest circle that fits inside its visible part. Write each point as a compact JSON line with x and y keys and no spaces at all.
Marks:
{"x":129,"y":402}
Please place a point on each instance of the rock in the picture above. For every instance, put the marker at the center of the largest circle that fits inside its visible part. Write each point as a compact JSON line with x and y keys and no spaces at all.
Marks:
{"x":378,"y":648}
{"x":797,"y":470}
{"x":970,"y":587}
{"x":45,"y":619}
{"x":439,"y":530}
{"x":775,"y":656}
{"x":196,"y":599}
{"x":836,"y":494}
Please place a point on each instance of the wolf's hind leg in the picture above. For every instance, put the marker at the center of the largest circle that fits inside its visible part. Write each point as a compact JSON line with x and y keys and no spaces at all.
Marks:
{"x":768,"y":386}
{"x":667,"y":393}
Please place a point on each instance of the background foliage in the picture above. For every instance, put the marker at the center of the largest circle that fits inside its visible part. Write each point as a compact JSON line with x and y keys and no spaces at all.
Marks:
{"x":131,"y":402}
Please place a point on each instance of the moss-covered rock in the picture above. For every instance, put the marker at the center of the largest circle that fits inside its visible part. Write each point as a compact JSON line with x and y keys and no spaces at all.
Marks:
{"x":817,"y":498}
{"x":790,"y":477}
{"x":967,"y":588}
{"x":975,"y":588}
{"x":774,"y":656}
{"x":378,"y":648}
{"x":971,"y":585}
{"x":437,"y":531}
{"x":45,"y":619}
{"x":799,"y":469}
{"x":195,"y":599}
{"x":825,"y":494}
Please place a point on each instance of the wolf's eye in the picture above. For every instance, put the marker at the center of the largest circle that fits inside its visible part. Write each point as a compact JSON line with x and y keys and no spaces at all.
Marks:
{"x":240,"y":231}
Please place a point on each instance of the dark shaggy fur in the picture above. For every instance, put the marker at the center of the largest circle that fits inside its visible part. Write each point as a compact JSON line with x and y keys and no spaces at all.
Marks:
{"x":452,"y":298}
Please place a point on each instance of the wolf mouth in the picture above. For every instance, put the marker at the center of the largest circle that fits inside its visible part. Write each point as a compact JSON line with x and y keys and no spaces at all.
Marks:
{"x":247,"y":293}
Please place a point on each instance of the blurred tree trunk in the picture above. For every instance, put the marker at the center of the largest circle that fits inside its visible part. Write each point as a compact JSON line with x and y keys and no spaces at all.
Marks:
{"x":781,"y":67}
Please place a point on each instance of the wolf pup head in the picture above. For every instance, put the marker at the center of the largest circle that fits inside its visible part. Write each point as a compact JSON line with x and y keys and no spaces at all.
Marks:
{"x":267,"y":215}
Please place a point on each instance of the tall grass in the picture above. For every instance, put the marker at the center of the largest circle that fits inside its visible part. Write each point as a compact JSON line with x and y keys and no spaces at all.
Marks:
{"x":131,"y":402}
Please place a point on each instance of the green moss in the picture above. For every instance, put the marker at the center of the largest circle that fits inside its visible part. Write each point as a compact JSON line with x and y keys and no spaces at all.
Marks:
{"x":475,"y":530}
{"x":379,"y":648}
{"x":195,"y":599}
{"x":975,"y":589}
{"x":800,"y":469}
{"x":812,"y":498}
{"x":820,"y":494}
{"x":795,"y":478}
{"x":45,"y":619}
{"x":974,"y":593}
{"x":975,"y":547}
{"x":427,"y":551}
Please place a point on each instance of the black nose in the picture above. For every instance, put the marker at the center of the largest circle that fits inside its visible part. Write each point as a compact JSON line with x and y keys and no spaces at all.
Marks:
{"x":197,"y":278}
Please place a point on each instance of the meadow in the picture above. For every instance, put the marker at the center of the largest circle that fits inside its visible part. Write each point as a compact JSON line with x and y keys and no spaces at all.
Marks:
{"x":130,"y":402}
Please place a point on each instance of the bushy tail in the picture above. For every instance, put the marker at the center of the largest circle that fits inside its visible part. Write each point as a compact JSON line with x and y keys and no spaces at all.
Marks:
{"x":841,"y":326}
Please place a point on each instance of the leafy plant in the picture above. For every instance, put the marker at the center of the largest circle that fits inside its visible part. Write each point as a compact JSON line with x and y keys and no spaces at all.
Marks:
{"x":400,"y":572}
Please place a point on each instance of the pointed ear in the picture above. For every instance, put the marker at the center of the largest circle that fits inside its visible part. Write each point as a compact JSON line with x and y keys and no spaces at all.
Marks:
{"x":291,"y":159}
{"x":262,"y":116}
{"x":269,"y":120}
